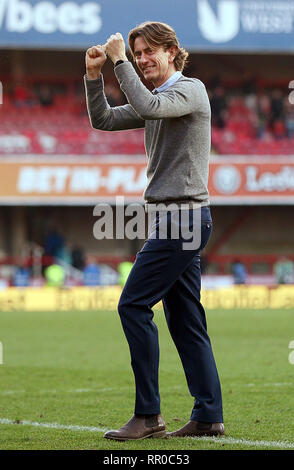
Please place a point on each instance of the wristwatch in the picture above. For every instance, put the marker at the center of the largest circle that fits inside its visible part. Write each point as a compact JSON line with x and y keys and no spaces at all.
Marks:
{"x":119,"y":62}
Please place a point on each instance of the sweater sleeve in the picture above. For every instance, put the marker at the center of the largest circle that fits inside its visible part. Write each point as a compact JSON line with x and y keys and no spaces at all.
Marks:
{"x":104,"y":117}
{"x":185,"y":97}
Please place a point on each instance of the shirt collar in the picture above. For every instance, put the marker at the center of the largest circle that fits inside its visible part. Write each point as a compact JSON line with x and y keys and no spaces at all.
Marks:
{"x":169,"y":82}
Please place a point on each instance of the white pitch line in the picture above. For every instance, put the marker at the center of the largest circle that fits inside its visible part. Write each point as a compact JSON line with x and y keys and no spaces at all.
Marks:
{"x":275,"y":384}
{"x":245,"y":442}
{"x":107,"y":389}
{"x":219,"y":440}
{"x":70,"y":427}
{"x":78,"y":390}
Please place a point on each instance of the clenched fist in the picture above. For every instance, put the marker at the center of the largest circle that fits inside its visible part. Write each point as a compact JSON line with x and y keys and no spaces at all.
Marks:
{"x":95,"y":59}
{"x":115,"y":48}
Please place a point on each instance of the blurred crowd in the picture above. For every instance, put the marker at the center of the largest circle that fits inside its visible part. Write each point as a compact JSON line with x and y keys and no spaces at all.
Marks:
{"x":253,"y":112}
{"x":62,"y":266}
{"x":247,"y":118}
{"x":246,"y":109}
{"x":70,"y":95}
{"x":91,"y":273}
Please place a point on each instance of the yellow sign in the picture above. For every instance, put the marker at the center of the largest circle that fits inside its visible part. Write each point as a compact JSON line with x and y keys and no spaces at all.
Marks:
{"x":106,"y":298}
{"x":54,"y":298}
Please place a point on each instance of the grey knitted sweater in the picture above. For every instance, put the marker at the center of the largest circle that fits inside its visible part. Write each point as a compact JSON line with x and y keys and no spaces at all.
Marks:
{"x":177,"y":132}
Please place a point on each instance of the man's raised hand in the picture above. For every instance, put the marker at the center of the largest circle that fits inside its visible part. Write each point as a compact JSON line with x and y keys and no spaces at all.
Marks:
{"x":115,"y":48}
{"x":95,"y":59}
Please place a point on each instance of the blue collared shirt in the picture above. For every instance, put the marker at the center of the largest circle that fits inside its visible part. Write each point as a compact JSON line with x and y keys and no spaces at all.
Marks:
{"x":169,"y":82}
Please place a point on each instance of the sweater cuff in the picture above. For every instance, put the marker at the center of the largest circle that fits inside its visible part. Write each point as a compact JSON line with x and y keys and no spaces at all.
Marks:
{"x":93,"y":84}
{"x":124,"y":69}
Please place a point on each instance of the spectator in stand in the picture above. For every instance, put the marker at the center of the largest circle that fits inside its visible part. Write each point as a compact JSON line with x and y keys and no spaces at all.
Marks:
{"x":78,"y":258}
{"x":289,"y":118}
{"x":218,"y":107}
{"x":124,"y":269}
{"x":54,"y":275}
{"x":240,"y":118}
{"x":277,"y":110}
{"x":251,"y":104}
{"x":277,"y":104}
{"x":239,"y":272}
{"x":45,"y":95}
{"x":63,"y":255}
{"x":250,"y":101}
{"x":22,"y":274}
{"x":54,"y":243}
{"x":279,"y":129}
{"x":22,"y":96}
{"x":284,"y":271}
{"x":263,"y":112}
{"x":92,"y":273}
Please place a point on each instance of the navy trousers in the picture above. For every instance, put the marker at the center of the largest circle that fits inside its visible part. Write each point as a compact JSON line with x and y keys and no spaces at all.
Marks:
{"x":163,"y":270}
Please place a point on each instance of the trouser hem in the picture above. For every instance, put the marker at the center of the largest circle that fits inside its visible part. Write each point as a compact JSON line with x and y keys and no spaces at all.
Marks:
{"x":151,"y":411}
{"x":206,"y":419}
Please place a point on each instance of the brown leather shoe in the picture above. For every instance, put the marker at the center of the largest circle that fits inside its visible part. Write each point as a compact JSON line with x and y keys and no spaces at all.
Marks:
{"x":139,"y":427}
{"x":197,"y":429}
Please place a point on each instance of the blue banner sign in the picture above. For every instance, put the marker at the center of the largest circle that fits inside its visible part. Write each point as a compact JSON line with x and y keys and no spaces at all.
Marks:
{"x":212,"y":25}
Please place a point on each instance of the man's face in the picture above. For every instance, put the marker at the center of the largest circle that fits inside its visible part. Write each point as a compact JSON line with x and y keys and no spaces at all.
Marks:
{"x":156,"y":65}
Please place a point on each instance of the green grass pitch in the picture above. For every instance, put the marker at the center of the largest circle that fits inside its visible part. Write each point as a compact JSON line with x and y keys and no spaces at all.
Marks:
{"x":73,"y":369}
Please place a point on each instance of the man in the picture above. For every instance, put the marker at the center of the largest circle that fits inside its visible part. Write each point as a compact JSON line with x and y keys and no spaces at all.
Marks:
{"x":176,"y":117}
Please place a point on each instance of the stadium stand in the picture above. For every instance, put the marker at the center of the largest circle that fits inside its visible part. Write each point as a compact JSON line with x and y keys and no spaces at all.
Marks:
{"x":50,"y":117}
{"x":44,"y":114}
{"x":47,"y":122}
